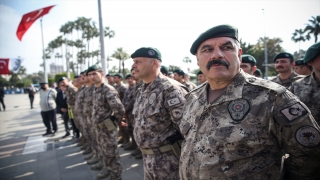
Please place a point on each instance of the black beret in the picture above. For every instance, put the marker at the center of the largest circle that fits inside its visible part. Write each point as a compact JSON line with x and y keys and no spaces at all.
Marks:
{"x":224,"y":30}
{"x":164,"y":70}
{"x":76,"y":76}
{"x":109,"y":75}
{"x":148,"y":52}
{"x":312,"y":52}
{"x":43,"y":83}
{"x":179,"y":72}
{"x":61,"y":79}
{"x":246,"y":58}
{"x":93,"y":68}
{"x":283,"y":55}
{"x":127,"y":76}
{"x":200,"y":72}
{"x":258,"y":71}
{"x":118,"y":75}
{"x":300,"y":62}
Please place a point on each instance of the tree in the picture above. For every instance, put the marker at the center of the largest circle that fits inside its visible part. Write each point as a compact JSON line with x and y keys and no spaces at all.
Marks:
{"x":121,"y":55}
{"x":186,"y":60}
{"x":299,"y":36}
{"x":299,"y":55}
{"x":172,"y":68}
{"x":314,"y":27}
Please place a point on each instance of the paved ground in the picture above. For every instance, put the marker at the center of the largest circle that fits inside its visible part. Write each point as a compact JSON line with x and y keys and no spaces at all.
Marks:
{"x":25,"y":154}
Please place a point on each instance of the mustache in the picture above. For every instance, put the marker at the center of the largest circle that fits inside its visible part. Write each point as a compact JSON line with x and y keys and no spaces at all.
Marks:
{"x":218,"y":62}
{"x":280,"y":67}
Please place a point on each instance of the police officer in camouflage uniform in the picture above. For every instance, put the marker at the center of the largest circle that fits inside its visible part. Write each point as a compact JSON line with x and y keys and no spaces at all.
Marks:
{"x":157,"y":112}
{"x":110,"y":79}
{"x":107,"y":111}
{"x":283,"y":63}
{"x":308,"y":88}
{"x":248,"y":64}
{"x":179,"y":76}
{"x":302,"y":68}
{"x":237,"y":126}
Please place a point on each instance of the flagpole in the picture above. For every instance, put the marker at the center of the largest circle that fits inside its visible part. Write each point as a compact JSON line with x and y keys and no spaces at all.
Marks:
{"x":43,"y":56}
{"x":103,"y":63}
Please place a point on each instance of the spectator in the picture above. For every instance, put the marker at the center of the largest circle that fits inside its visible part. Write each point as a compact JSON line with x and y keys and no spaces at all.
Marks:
{"x":1,"y":99}
{"x":31,"y":92}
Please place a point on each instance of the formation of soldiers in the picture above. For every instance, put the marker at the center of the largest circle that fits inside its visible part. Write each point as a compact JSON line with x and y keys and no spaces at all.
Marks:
{"x":233,"y":125}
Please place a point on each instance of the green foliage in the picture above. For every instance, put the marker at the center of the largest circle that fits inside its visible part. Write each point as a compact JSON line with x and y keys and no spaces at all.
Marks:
{"x":58,"y":76}
{"x":51,"y":80}
{"x":27,"y":82}
{"x":4,"y":82}
{"x":20,"y":85}
{"x":172,"y":68}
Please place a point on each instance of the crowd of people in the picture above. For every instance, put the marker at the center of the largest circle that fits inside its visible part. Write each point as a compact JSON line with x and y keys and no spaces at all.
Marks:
{"x":233,"y":125}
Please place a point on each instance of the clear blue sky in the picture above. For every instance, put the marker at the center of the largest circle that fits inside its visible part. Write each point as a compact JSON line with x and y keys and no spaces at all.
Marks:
{"x":171,"y":26}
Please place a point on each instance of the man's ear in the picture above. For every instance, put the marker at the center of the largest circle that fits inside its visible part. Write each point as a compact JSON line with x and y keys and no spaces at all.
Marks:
{"x":254,"y":68}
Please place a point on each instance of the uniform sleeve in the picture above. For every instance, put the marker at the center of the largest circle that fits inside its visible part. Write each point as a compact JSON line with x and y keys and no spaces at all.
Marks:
{"x":115,"y":104}
{"x":298,"y":135}
{"x":71,"y":95}
{"x":174,"y":101}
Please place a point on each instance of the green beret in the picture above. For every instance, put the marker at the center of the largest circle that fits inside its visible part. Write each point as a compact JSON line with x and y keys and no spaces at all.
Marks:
{"x":179,"y":72}
{"x":148,"y":52}
{"x":200,"y":72}
{"x":76,"y":76}
{"x":129,"y":75}
{"x":164,"y":70}
{"x":283,"y":55}
{"x":312,"y":52}
{"x":258,"y":71}
{"x":93,"y":68}
{"x":43,"y":83}
{"x":224,"y":30}
{"x":109,"y":75}
{"x":83,"y":72}
{"x":246,"y":58}
{"x":300,"y":62}
{"x":61,"y":79}
{"x":118,"y":75}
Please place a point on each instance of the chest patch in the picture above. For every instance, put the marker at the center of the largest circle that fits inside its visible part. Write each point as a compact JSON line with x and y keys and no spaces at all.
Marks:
{"x":293,"y":112}
{"x":238,"y":109}
{"x":308,"y":136}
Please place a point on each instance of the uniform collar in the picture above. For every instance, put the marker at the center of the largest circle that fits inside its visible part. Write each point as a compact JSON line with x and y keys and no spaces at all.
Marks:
{"x":153,"y":84}
{"x":311,"y":80}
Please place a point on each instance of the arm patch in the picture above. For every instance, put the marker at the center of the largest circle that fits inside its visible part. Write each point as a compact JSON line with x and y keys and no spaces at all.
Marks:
{"x":294,"y":111}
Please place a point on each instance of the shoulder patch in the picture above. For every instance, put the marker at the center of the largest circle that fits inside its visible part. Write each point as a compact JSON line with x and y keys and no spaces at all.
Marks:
{"x":308,"y":136}
{"x":294,"y":111}
{"x":174,"y":101}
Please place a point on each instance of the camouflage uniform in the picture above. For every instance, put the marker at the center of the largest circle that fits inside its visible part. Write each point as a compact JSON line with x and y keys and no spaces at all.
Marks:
{"x":157,"y":112}
{"x":121,"y":88}
{"x":75,"y":108}
{"x":106,"y":103}
{"x":128,"y":102}
{"x":286,"y":83}
{"x":308,"y":90}
{"x":243,"y":133}
{"x":189,"y":85}
{"x":79,"y":111}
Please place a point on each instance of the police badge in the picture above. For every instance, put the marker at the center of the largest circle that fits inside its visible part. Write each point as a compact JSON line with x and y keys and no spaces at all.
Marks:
{"x":307,"y":136}
{"x":238,"y":109}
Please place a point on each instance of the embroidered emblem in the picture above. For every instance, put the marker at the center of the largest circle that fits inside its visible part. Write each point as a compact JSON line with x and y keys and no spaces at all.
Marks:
{"x":152,"y":98}
{"x":293,"y":112}
{"x":173,"y":101}
{"x":151,"y":52}
{"x":238,"y":109}
{"x":307,"y":136}
{"x":250,"y":58}
{"x":177,"y":113}
{"x":287,"y":55}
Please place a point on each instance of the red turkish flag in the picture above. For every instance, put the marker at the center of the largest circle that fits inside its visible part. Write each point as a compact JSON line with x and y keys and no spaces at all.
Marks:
{"x":4,"y":66}
{"x":28,"y":19}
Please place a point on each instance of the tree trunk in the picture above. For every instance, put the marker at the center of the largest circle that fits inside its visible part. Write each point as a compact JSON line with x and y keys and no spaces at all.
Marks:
{"x":119,"y":66}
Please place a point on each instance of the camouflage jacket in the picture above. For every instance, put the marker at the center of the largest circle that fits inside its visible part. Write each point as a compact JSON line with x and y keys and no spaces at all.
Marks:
{"x":244,"y":132}
{"x":189,"y":85}
{"x":286,"y":83}
{"x":121,"y":88}
{"x":308,"y":90}
{"x":78,"y":107}
{"x":128,"y":100}
{"x":157,"y":111}
{"x":87,"y":102}
{"x":106,"y":103}
{"x":71,"y":94}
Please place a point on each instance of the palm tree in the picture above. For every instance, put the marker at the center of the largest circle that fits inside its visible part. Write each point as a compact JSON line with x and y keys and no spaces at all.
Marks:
{"x":121,"y":55}
{"x":298,"y":36}
{"x":314,"y":27}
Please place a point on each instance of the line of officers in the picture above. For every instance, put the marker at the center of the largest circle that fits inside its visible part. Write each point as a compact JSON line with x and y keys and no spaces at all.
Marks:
{"x":232,"y":126}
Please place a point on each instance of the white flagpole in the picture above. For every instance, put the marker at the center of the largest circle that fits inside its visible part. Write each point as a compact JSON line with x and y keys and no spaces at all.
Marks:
{"x":103,"y":62}
{"x":43,"y":56}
